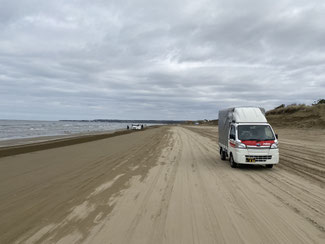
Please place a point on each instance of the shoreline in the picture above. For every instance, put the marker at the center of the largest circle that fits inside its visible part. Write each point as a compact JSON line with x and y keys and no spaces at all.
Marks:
{"x":8,"y":142}
{"x":27,"y":145}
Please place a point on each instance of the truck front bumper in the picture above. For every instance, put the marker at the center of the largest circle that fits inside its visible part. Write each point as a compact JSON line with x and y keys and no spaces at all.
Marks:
{"x":256,"y":156}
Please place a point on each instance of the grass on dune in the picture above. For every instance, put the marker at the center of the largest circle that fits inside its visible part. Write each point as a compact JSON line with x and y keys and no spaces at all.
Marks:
{"x":298,"y":115}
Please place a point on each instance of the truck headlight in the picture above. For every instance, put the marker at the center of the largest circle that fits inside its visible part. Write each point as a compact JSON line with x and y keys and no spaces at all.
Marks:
{"x":274,"y":146}
{"x":240,"y":145}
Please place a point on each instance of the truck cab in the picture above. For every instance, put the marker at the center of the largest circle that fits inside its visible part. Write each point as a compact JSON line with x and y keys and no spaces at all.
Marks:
{"x":247,"y":137}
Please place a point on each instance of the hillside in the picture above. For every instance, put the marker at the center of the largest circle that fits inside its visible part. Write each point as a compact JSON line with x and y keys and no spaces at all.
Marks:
{"x":300,"y":116}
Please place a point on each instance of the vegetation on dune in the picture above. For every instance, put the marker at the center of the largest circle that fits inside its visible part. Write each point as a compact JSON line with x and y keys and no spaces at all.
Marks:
{"x":319,"y":101}
{"x":298,"y":115}
{"x":293,"y":115}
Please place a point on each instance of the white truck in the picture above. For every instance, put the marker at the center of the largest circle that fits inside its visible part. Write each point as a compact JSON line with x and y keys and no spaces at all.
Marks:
{"x":136,"y":127}
{"x":245,"y":137}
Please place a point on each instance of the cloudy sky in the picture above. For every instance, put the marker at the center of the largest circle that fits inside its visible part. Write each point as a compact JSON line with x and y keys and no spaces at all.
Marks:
{"x":148,"y":59}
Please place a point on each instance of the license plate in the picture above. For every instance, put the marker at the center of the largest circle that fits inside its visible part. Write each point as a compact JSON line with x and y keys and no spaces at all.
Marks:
{"x":251,"y":160}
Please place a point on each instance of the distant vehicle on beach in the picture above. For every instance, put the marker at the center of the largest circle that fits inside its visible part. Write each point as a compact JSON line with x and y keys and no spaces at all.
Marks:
{"x":136,"y":127}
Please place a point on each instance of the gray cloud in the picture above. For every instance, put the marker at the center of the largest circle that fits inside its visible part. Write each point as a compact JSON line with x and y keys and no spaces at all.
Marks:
{"x":157,"y":59}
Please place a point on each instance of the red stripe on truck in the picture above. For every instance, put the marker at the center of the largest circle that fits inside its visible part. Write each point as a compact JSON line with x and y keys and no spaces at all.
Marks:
{"x":261,"y":143}
{"x":232,"y":144}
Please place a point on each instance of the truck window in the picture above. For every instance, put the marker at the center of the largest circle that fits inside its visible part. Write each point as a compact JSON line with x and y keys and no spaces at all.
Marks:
{"x":232,"y":134}
{"x":255,"y":133}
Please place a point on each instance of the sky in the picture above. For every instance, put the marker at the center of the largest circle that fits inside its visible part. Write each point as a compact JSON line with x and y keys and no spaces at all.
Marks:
{"x":148,"y":59}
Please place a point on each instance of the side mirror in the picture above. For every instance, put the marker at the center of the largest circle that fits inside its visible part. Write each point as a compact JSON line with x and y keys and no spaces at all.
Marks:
{"x":276,"y":135}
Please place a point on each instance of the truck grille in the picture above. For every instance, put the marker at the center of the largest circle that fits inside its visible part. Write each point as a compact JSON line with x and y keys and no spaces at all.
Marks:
{"x":257,"y":158}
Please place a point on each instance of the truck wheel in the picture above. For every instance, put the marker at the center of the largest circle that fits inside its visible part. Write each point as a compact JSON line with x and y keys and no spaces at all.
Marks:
{"x":269,"y":166}
{"x":222,"y":154}
{"x":233,"y":164}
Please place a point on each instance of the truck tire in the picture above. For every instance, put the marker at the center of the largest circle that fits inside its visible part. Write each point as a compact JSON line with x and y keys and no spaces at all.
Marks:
{"x":269,"y":166}
{"x":222,"y":154}
{"x":233,"y":164}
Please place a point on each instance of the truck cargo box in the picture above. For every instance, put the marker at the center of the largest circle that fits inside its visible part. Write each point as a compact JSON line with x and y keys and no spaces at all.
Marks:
{"x":238,"y":115}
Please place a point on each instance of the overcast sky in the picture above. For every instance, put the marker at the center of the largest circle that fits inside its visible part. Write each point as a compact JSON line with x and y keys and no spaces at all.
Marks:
{"x":147,"y":59}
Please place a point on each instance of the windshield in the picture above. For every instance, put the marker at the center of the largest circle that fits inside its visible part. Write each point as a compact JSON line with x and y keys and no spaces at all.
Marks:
{"x":255,"y":133}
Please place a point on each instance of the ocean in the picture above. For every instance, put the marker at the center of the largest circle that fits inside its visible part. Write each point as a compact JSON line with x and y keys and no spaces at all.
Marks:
{"x":18,"y":129}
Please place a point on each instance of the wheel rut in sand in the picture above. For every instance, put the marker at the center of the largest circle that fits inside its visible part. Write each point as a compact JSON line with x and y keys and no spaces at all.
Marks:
{"x":74,"y":188}
{"x":194,"y":197}
{"x":174,"y":188}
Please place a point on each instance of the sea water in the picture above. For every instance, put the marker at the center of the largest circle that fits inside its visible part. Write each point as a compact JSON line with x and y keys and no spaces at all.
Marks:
{"x":16,"y":129}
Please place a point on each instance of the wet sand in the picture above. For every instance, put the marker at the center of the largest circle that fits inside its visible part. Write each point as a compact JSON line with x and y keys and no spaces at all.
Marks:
{"x":25,"y":145}
{"x":163,"y":185}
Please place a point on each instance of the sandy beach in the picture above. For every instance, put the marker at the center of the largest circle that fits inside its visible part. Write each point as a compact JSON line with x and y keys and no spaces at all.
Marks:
{"x":162,"y":185}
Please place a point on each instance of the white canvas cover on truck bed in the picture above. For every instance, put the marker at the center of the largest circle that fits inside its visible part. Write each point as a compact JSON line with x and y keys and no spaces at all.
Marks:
{"x":249,"y":115}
